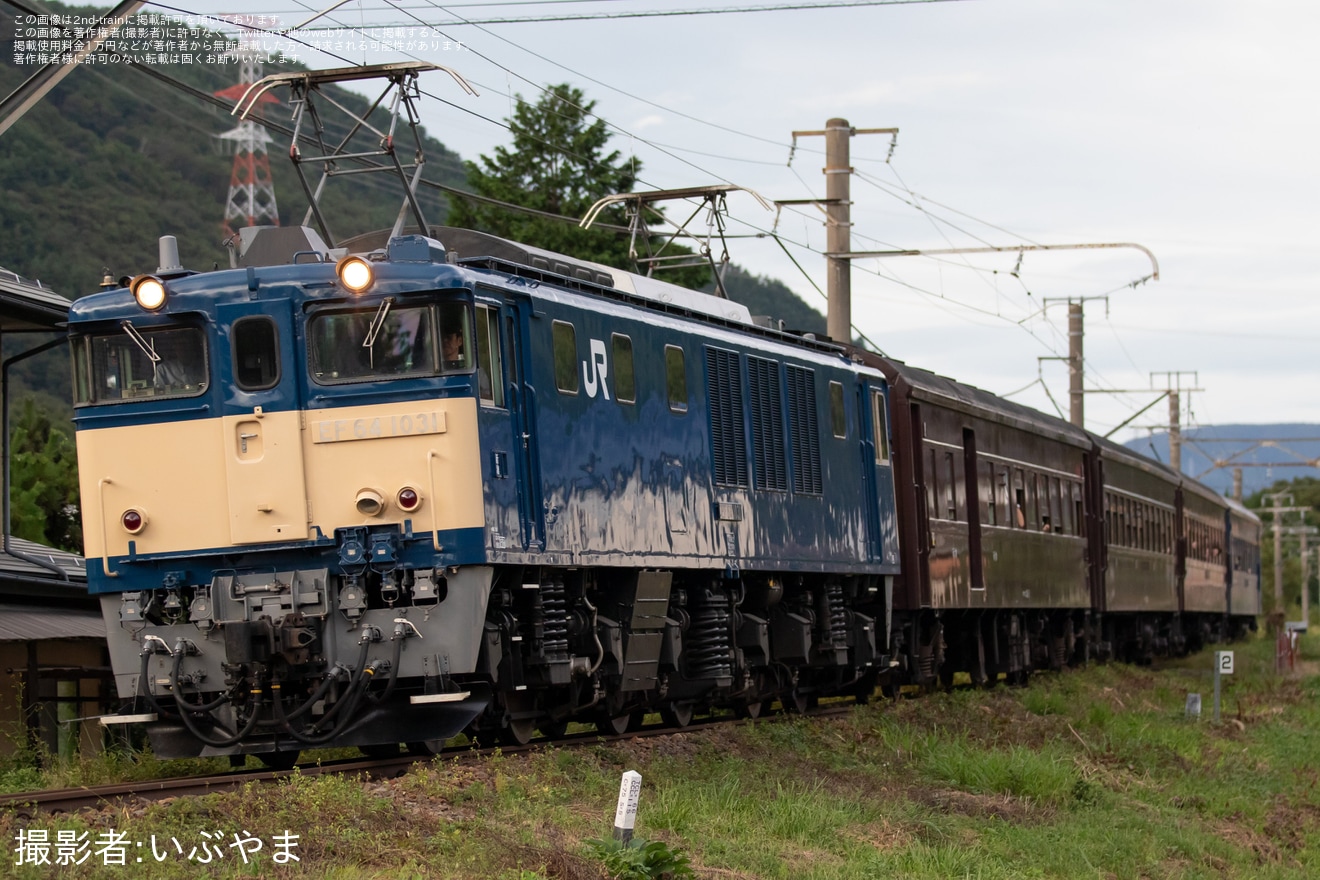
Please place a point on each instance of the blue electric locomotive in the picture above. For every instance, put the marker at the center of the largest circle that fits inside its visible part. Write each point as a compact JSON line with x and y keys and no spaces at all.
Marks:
{"x":453,"y":482}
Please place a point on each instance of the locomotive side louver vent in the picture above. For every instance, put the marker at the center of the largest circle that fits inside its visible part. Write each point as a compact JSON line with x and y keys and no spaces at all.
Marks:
{"x":728,"y":437}
{"x":770,"y":466}
{"x":805,"y":436}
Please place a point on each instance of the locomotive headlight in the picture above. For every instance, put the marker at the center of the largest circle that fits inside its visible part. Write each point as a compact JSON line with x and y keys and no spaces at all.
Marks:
{"x":370,"y":502}
{"x":354,"y":273}
{"x":133,"y":521}
{"x":409,"y":499}
{"x":149,"y":291}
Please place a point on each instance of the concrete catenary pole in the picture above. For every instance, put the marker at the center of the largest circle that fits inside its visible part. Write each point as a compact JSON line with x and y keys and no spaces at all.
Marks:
{"x":1278,"y":552}
{"x":1175,"y":432}
{"x":838,"y":232}
{"x":1076,"y":397}
{"x":1237,"y":484}
{"x":1306,"y":577}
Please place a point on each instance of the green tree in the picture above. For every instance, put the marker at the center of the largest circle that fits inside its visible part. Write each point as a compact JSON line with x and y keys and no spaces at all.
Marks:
{"x":559,"y":163}
{"x":44,"y":481}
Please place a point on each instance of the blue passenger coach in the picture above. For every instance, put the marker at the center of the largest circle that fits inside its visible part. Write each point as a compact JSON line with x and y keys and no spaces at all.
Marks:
{"x":455,"y":482}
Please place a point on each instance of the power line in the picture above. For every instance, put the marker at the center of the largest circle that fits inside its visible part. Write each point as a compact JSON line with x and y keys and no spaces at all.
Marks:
{"x":671,"y":13}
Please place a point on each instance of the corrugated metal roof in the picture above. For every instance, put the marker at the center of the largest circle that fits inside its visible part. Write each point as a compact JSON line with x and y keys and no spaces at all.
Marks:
{"x":27,"y":305}
{"x":13,"y":566}
{"x":20,"y":623}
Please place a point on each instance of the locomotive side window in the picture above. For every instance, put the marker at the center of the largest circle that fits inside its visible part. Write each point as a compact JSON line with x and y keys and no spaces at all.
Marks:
{"x":837,"y":420}
{"x":385,"y":342}
{"x":881,"y":427}
{"x":565,"y":344}
{"x":676,"y":379}
{"x":625,"y":380}
{"x":256,"y":353}
{"x":490,"y":373}
{"x":139,"y":364}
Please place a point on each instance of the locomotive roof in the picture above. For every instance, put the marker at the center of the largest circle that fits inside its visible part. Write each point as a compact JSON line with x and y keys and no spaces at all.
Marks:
{"x":469,"y":247}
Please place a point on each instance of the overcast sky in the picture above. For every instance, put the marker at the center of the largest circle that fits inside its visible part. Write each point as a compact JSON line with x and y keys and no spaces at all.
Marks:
{"x":1187,"y":126}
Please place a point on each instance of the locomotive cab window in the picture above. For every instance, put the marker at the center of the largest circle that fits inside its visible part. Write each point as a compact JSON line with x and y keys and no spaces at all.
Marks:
{"x":490,"y":374}
{"x":382,"y":342}
{"x":256,"y":353}
{"x":145,"y":363}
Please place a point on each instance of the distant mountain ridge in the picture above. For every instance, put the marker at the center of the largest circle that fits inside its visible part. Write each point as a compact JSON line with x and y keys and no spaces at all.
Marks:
{"x":1262,"y":463}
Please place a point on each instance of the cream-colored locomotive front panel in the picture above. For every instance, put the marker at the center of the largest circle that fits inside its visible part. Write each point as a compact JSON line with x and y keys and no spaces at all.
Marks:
{"x":430,"y":447}
{"x":169,"y":472}
{"x":282,"y":474}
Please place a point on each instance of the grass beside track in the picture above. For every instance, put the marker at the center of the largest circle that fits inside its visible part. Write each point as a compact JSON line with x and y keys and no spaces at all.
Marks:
{"x":1093,"y":773}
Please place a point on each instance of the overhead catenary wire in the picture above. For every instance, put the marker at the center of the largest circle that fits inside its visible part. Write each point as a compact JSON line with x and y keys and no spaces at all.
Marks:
{"x":916,"y":202}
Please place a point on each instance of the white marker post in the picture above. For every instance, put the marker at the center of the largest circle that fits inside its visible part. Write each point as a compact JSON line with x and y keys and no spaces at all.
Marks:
{"x":1223,"y":666}
{"x":625,"y":815}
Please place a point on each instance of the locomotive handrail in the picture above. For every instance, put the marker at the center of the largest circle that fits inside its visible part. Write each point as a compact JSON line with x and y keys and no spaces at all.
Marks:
{"x":431,"y":455}
{"x":105,"y":540}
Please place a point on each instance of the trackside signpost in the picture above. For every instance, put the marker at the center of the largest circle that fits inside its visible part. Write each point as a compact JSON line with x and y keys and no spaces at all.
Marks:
{"x":625,"y":815}
{"x":1223,"y":666}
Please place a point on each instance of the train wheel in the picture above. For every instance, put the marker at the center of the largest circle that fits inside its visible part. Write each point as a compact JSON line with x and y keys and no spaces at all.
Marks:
{"x":617,"y":725}
{"x":677,"y":714}
{"x":796,"y":701}
{"x":554,"y":729}
{"x":280,"y":760}
{"x":750,"y":709}
{"x":518,"y":733}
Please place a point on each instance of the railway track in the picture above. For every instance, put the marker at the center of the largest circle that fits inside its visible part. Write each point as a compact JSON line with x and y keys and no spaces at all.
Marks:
{"x":68,"y":800}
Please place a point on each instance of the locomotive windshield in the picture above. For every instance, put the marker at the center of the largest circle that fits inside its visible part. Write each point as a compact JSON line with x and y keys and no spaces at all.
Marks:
{"x":138,"y":364}
{"x":389,"y":341}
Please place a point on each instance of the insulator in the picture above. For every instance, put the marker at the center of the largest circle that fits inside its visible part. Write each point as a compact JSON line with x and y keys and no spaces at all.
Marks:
{"x":707,"y":644}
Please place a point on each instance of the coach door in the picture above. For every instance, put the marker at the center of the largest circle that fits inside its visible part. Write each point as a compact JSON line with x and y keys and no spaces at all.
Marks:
{"x":261,"y":425}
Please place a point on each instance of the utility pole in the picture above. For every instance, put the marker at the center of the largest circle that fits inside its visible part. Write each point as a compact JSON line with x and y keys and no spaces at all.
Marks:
{"x":1174,"y":388}
{"x":838,"y":232}
{"x":1278,"y":509}
{"x":1076,"y":396}
{"x":1306,"y":580}
{"x":1076,"y":361}
{"x":838,"y":219}
{"x":1237,"y":484}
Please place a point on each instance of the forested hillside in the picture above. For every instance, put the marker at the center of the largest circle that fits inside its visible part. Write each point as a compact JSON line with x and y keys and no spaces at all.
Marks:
{"x":113,"y":158}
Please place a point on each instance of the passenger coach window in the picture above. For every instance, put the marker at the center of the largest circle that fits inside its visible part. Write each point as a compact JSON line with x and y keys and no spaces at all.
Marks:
{"x":676,"y":379}
{"x":140,"y":363}
{"x":565,"y":343}
{"x":256,"y":354}
{"x":490,"y":373}
{"x":625,"y":380}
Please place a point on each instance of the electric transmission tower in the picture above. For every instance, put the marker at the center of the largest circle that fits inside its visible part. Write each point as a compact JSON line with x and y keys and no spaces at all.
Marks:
{"x":251,"y":200}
